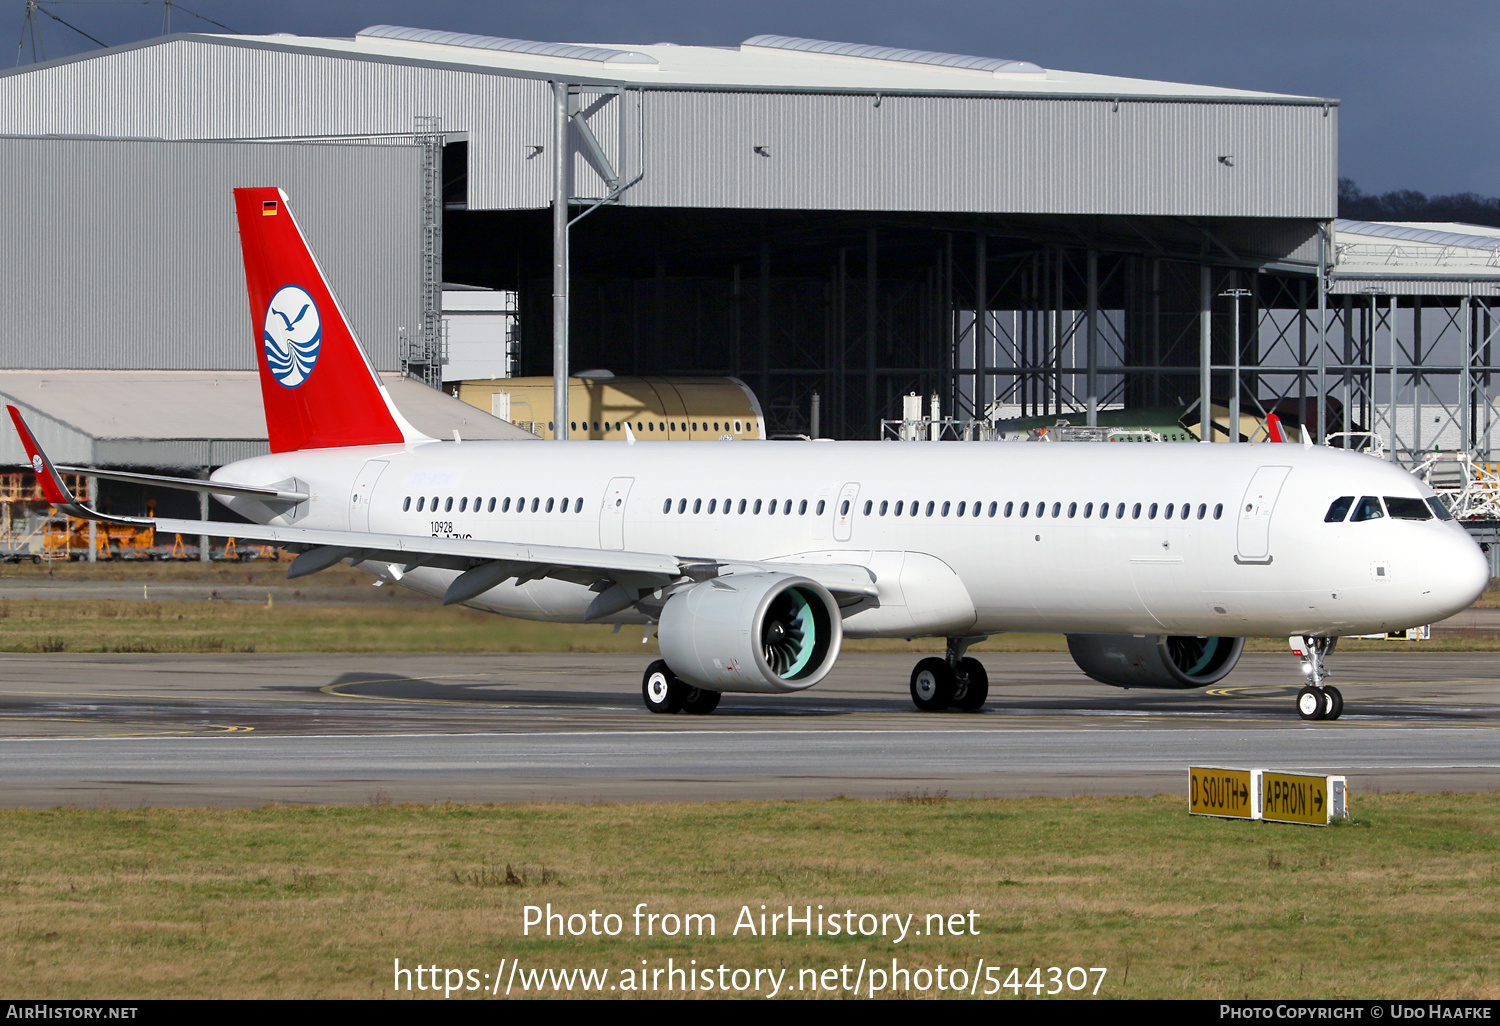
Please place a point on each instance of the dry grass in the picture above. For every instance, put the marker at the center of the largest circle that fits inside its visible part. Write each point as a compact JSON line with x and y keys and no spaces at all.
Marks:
{"x":317,"y":902}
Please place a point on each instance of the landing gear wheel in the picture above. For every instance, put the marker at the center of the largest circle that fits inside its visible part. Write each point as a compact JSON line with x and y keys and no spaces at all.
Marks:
{"x":1310,"y":703}
{"x":1333,"y":702}
{"x":972,"y":685}
{"x":661,"y":689}
{"x":932,"y":685}
{"x":699,"y":700}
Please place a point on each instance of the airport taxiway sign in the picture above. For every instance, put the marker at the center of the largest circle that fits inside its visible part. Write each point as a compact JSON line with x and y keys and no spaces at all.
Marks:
{"x":1301,"y":798}
{"x":1229,"y":793}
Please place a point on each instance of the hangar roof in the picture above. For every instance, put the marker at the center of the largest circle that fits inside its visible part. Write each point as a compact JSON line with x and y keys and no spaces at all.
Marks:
{"x":187,"y":418}
{"x":760,"y":62}
{"x":1415,"y":258}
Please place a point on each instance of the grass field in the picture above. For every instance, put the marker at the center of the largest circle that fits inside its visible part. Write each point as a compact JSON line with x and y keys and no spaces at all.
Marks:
{"x":133,"y":625}
{"x":1403,"y":902}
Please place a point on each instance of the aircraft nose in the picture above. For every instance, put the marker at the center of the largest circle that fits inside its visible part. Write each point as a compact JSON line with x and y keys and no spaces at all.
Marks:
{"x":1462,"y":574}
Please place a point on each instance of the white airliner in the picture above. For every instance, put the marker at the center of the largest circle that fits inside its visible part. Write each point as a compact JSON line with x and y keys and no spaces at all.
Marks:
{"x":756,"y":559}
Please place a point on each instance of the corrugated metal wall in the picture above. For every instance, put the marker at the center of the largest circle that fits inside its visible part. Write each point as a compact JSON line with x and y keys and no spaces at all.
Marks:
{"x":187,"y":89}
{"x":125,"y":255}
{"x":826,"y":151}
{"x":988,"y":155}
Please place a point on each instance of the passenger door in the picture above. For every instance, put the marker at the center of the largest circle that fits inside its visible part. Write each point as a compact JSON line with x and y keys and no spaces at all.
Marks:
{"x":1253,"y":537}
{"x":612,"y":515}
{"x":359,"y":498}
{"x":843,"y":511}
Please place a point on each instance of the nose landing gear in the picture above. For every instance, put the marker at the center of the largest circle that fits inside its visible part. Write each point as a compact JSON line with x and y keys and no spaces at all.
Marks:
{"x":955,"y":681}
{"x":1316,"y":700}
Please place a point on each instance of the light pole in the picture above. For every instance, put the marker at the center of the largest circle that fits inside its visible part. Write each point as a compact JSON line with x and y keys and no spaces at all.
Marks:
{"x":1234,"y":393}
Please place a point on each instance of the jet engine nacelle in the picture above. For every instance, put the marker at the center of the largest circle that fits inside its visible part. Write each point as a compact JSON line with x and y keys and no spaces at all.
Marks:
{"x":760,"y":633}
{"x":1155,"y":661}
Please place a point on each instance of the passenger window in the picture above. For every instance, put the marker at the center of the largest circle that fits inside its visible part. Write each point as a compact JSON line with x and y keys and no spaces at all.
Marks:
{"x":742,"y":506}
{"x":1120,"y":511}
{"x":549,"y":505}
{"x":534,"y":504}
{"x":884,"y":505}
{"x":1338,"y":510}
{"x":737,"y":428}
{"x":1438,"y":509}
{"x":666,"y":507}
{"x":974,"y":510}
{"x":406,"y":505}
{"x":421,"y":501}
{"x":1072,"y":510}
{"x":463,"y":504}
{"x":1135,"y":514}
{"x":1218,"y":511}
{"x":899,"y":505}
{"x":711,"y":504}
{"x":1168,"y":514}
{"x":1088,"y":510}
{"x":1202,"y":510}
{"x":819,"y":511}
{"x":913,"y":510}
{"x":448,"y":504}
{"x":786,"y":508}
{"x":1025,"y":508}
{"x":697,"y":505}
{"x":1368,"y":509}
{"x":492,"y":505}
{"x":1056,"y":510}
{"x":1103,"y":511}
{"x":682,"y":505}
{"x":946,"y":505}
{"x":1151,"y":513}
{"x":1407,"y":509}
{"x":869,"y":505}
{"x":1187,"y":509}
{"x":757,"y":507}
{"x":995,"y":505}
{"x":930,"y":507}
{"x":961,"y":509}
{"x":801,"y":508}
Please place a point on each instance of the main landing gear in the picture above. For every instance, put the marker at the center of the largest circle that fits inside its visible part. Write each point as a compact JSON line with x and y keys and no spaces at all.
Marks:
{"x":955,"y":680}
{"x":665,"y":693}
{"x":1316,"y":700}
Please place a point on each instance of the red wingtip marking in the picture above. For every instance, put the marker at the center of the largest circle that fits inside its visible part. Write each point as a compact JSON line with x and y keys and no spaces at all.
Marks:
{"x":1273,"y":428}
{"x":52,"y":485}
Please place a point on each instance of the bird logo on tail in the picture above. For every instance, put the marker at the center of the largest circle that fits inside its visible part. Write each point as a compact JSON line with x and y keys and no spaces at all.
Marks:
{"x":292,"y":336}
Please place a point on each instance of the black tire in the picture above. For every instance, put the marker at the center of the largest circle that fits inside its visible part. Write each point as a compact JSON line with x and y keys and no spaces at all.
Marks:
{"x":1333,"y":706}
{"x":932,"y":685}
{"x":972,"y":685}
{"x":660,"y":688}
{"x":699,"y":701}
{"x":1310,"y":703}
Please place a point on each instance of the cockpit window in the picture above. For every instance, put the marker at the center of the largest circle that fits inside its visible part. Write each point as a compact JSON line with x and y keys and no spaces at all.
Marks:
{"x":1368,"y":509}
{"x":1339,"y":510}
{"x":1438,"y":509}
{"x":1407,"y":509}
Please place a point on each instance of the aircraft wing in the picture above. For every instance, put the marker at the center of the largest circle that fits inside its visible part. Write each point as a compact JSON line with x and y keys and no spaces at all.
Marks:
{"x":620,"y":578}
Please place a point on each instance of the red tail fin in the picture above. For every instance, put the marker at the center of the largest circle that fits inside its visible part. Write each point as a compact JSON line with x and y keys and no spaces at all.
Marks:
{"x":318,"y":387}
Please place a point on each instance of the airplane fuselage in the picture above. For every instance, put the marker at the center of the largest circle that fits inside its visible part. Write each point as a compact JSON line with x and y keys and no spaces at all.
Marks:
{"x":963,"y":538}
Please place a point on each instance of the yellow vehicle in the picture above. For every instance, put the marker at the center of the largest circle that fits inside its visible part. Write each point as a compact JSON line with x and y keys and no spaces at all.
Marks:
{"x":599,"y":406}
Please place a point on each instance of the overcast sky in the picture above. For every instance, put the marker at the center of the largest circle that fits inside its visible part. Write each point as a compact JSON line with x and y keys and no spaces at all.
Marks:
{"x":1417,"y":80}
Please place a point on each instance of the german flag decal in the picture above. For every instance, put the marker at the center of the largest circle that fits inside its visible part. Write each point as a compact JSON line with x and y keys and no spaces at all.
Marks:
{"x":268,"y":208}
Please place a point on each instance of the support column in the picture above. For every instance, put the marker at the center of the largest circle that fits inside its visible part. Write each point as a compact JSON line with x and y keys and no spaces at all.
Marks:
{"x":1391,"y":399}
{"x":764,"y":299}
{"x":561,"y":194}
{"x":93,"y":486}
{"x":1205,"y":353}
{"x":981,"y":327}
{"x":1466,"y":387}
{"x":203,"y":554}
{"x":872,"y":334}
{"x":1092,"y":341}
{"x":1322,"y":333}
